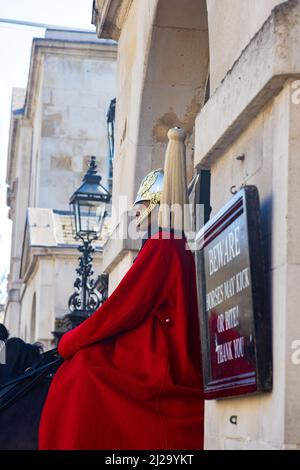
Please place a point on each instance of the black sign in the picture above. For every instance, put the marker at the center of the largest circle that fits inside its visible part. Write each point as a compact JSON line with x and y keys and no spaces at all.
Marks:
{"x":234,"y":315}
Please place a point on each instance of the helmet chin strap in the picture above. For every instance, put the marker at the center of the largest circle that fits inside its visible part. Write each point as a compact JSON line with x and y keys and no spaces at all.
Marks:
{"x":145,"y":213}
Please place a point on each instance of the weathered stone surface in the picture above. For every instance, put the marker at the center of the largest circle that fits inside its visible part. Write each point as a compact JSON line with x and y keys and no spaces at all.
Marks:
{"x":71,"y":82}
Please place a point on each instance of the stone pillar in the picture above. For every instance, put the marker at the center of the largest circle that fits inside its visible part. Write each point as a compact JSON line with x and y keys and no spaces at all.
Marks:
{"x":260,"y":120}
{"x":45,"y":301}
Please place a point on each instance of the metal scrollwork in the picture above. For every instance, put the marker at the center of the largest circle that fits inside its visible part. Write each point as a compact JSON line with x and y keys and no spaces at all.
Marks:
{"x":85,"y":299}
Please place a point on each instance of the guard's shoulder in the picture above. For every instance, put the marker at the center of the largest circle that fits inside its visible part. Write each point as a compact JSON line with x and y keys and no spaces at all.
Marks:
{"x":167,"y":241}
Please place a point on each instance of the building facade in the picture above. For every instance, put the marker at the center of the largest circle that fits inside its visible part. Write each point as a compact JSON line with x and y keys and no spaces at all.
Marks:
{"x":57,"y":123}
{"x":228,"y":72}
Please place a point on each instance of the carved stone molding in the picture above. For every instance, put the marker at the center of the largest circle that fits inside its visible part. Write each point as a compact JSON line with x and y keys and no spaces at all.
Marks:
{"x":108,"y":17}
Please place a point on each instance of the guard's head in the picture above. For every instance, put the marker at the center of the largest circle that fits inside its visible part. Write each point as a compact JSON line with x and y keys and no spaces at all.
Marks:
{"x":148,"y":199}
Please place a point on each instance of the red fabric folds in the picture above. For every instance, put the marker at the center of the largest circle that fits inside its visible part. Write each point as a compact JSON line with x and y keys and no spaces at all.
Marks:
{"x":132,"y":376}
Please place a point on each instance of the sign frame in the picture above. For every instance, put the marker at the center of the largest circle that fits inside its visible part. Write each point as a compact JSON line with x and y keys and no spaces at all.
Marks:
{"x":244,"y":205}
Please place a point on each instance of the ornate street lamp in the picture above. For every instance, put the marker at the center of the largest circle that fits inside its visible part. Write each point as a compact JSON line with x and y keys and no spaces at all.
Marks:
{"x":110,"y":120}
{"x":88,"y":207}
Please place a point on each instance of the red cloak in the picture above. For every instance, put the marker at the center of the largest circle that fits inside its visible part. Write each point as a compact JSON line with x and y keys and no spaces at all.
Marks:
{"x":132,"y":378}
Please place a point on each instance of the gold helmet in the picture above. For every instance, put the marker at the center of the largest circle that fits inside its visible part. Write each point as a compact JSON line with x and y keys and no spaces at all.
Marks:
{"x":150,"y":190}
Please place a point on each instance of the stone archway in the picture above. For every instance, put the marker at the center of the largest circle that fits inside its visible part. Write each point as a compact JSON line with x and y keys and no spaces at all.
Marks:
{"x":175,"y":80}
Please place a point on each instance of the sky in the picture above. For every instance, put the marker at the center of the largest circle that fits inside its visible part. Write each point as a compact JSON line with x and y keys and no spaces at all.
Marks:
{"x":15,"y":48}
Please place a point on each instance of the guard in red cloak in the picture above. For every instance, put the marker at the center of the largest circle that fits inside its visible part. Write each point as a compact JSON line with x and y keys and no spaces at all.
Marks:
{"x":132,"y":376}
